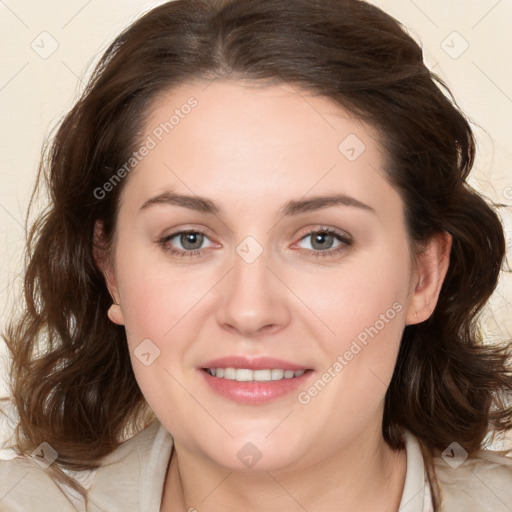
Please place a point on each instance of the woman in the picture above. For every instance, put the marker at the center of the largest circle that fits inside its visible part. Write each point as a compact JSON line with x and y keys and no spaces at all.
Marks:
{"x":217,"y":148}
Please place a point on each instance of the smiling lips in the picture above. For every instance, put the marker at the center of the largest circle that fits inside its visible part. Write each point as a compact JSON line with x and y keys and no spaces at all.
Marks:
{"x":253,"y":381}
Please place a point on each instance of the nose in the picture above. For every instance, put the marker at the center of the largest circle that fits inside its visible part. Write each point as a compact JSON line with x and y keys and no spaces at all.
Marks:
{"x":253,"y":298}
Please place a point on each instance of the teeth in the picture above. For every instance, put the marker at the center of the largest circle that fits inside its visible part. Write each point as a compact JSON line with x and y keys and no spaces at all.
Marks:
{"x":247,"y":375}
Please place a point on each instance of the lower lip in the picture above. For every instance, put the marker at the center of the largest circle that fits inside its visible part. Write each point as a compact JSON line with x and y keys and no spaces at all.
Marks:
{"x":253,"y":392}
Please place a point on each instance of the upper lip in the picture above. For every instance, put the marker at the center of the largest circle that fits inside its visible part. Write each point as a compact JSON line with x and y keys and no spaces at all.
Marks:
{"x":255,"y":363}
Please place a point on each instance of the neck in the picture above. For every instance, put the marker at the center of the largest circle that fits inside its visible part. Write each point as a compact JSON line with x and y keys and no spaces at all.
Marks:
{"x":366,"y":475}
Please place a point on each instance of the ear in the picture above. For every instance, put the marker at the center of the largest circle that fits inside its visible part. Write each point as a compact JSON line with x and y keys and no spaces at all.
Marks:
{"x":431,"y":266}
{"x":103,"y":261}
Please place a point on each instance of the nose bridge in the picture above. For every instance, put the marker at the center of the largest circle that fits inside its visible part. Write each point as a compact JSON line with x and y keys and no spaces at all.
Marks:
{"x":253,"y":298}
{"x":250,"y":272}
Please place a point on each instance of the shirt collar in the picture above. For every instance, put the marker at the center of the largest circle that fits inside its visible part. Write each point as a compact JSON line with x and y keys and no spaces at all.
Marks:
{"x":416,"y":493}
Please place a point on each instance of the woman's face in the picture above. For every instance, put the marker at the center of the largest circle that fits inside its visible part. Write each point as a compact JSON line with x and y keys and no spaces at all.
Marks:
{"x":247,"y":169}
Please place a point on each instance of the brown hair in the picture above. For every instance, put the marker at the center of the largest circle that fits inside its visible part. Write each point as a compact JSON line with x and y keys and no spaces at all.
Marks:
{"x":71,"y":376}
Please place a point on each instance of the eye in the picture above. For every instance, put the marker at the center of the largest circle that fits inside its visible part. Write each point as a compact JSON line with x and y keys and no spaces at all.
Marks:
{"x":190,"y":240}
{"x":322,"y":240}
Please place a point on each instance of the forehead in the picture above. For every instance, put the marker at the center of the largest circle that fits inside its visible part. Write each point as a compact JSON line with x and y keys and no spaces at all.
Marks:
{"x":247,"y":141}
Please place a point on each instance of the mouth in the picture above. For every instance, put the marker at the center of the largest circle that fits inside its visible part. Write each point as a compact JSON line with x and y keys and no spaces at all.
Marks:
{"x":255,"y":381}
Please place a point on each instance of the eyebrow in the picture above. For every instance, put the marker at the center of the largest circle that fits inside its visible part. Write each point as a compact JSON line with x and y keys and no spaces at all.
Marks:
{"x":291,"y":208}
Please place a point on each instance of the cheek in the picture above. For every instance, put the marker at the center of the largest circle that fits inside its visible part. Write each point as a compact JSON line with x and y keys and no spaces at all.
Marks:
{"x":362,"y":310}
{"x":354,"y":297}
{"x":156,"y":296}
{"x":157,"y":306}
{"x":160,"y":307}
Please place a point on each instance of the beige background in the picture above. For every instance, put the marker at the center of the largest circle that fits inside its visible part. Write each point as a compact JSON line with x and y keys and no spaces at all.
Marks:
{"x":49,"y":47}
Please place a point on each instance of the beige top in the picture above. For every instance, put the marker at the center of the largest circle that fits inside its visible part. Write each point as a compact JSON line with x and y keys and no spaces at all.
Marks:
{"x":132,"y":479}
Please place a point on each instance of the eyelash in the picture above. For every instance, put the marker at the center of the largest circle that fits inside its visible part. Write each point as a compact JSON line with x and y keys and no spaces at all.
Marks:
{"x":346,"y":241}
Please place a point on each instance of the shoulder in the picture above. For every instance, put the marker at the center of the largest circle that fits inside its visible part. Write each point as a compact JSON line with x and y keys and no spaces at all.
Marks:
{"x":115,"y":485}
{"x":482,"y":482}
{"x":26,"y":486}
{"x":132,"y":477}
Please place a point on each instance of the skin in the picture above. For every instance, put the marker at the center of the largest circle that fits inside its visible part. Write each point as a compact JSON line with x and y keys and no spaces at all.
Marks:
{"x":250,"y":149}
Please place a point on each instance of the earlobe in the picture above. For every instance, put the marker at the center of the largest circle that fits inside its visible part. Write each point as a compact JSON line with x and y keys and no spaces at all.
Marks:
{"x":115,"y":313}
{"x":432,"y":266}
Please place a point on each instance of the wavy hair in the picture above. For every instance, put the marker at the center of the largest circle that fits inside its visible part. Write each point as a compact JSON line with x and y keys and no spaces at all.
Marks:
{"x":71,"y":377}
